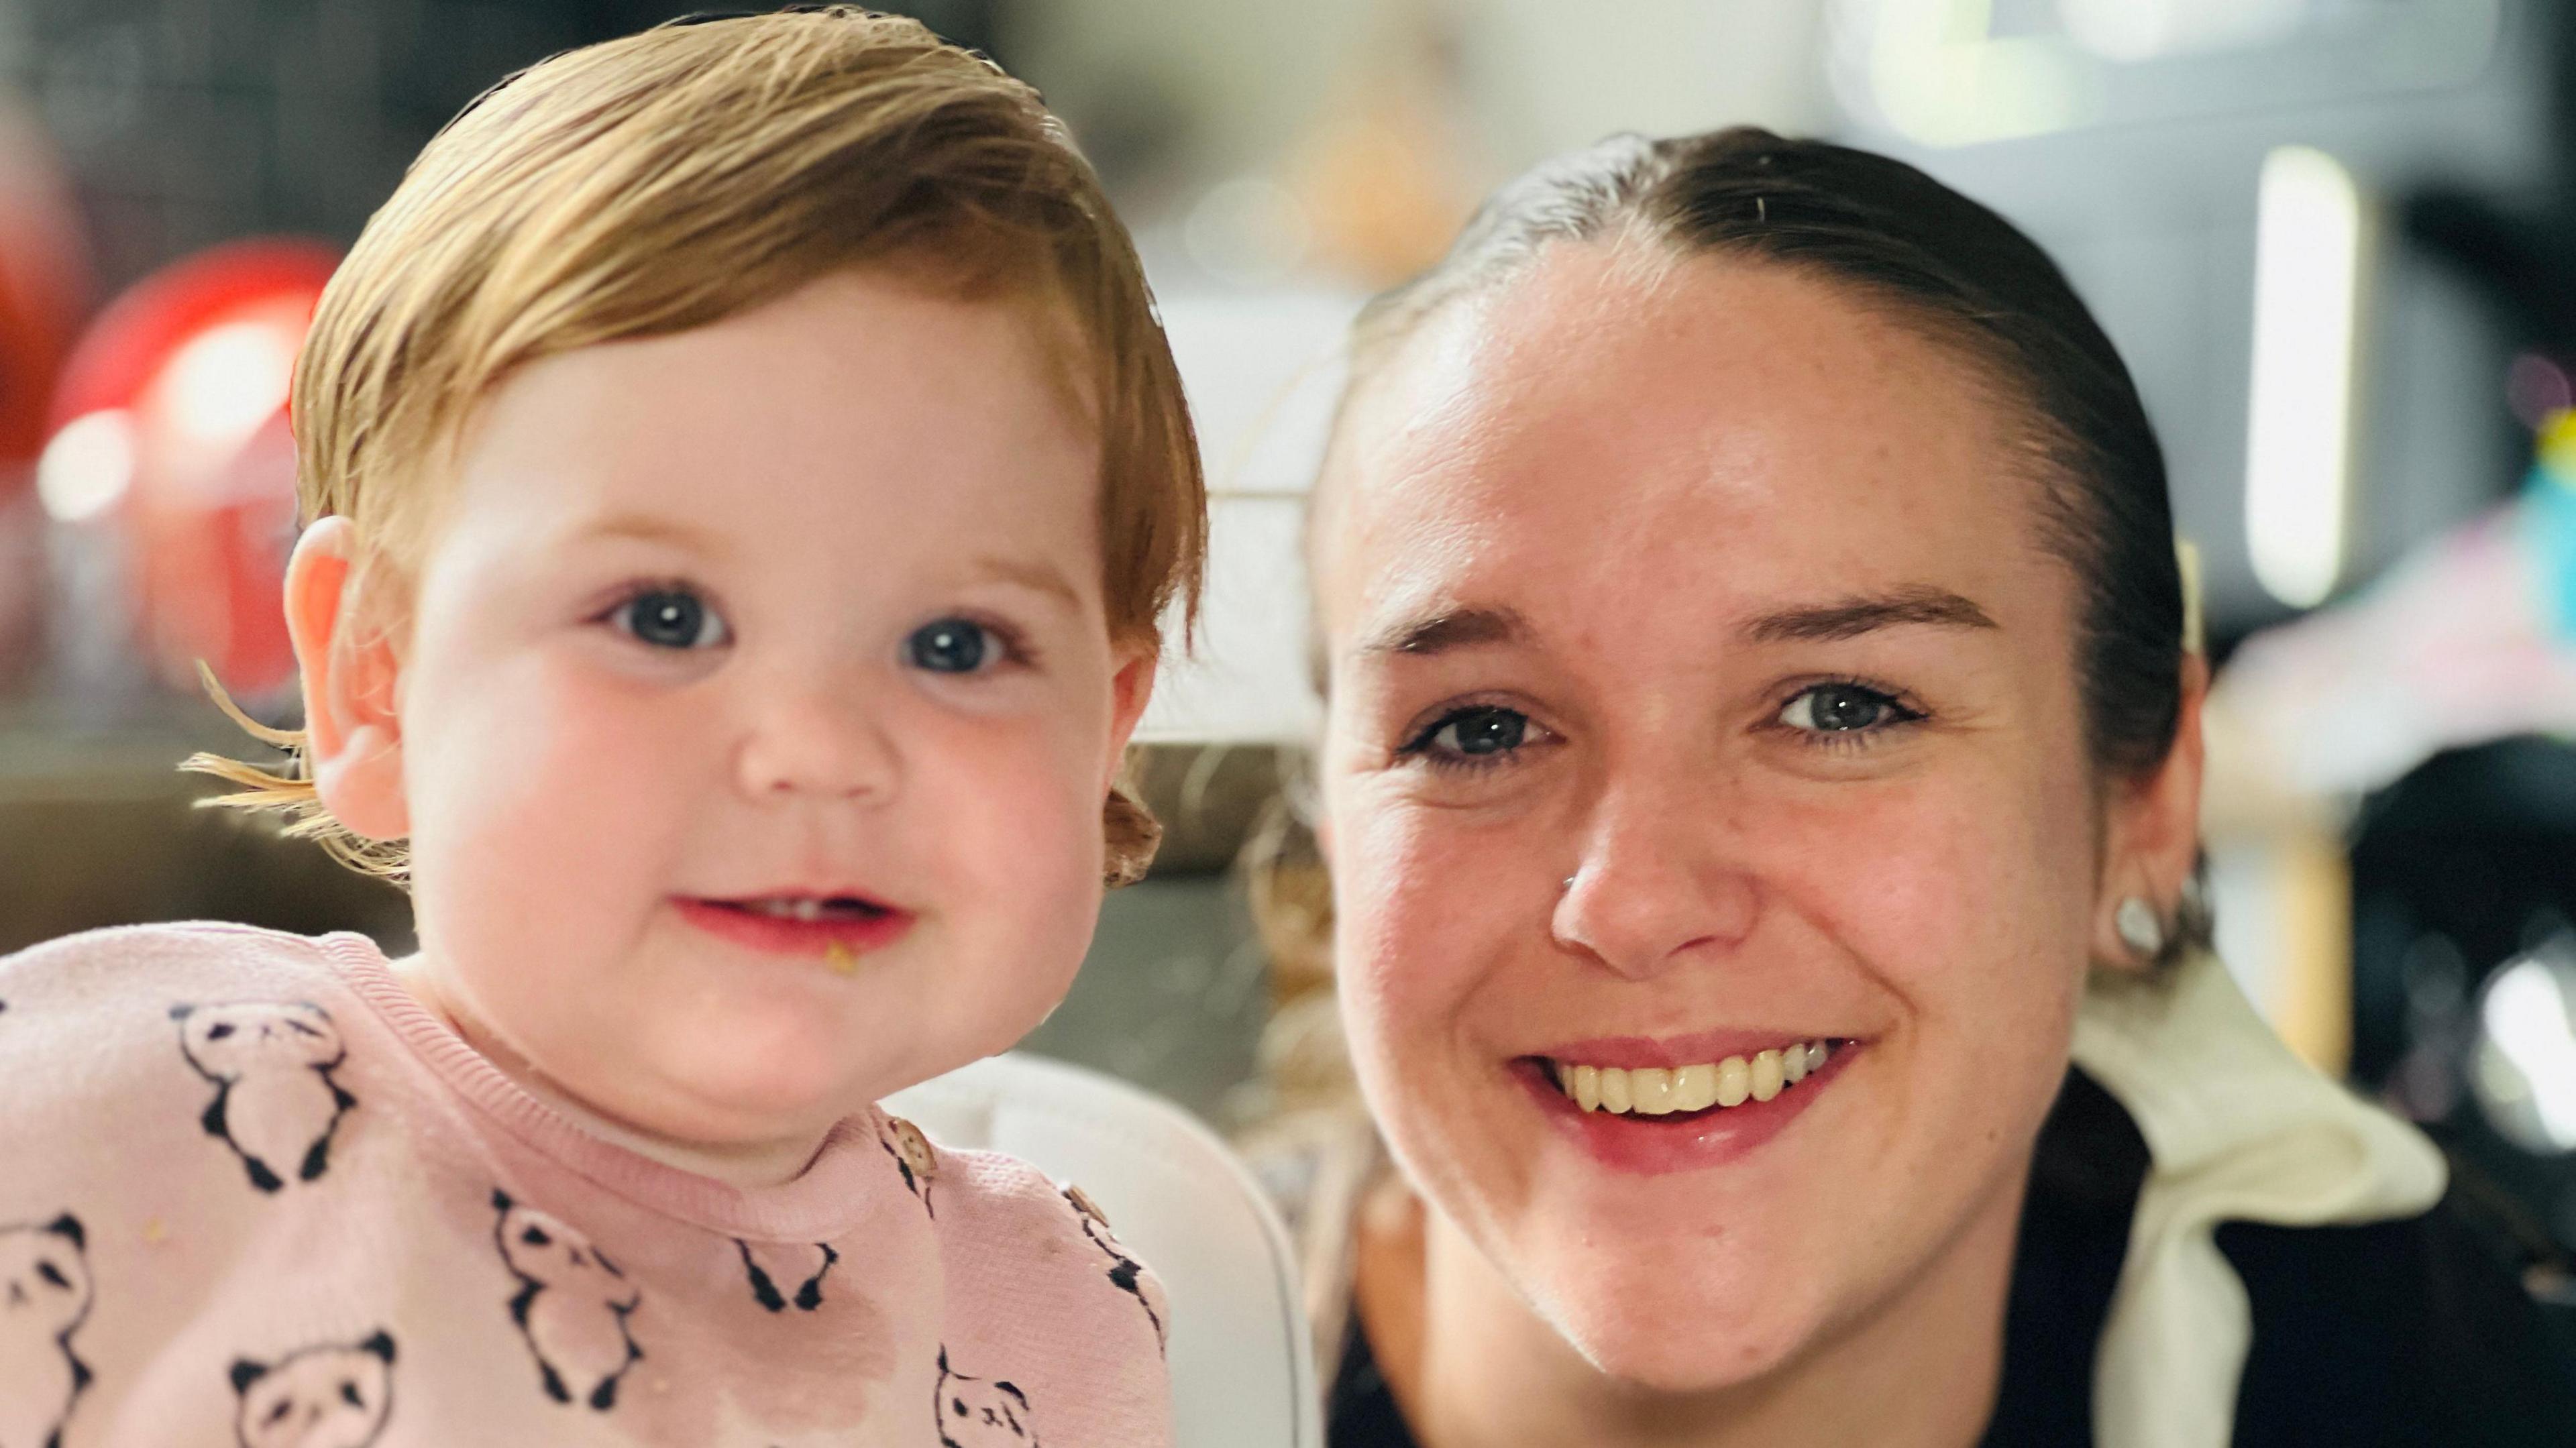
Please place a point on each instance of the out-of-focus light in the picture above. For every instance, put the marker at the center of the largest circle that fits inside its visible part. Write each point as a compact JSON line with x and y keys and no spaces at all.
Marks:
{"x":223,"y":386}
{"x":87,"y":466}
{"x":1249,"y":231}
{"x":1942,"y":78}
{"x":2299,"y":425}
{"x":2537,"y":389}
{"x":2525,"y":1066}
{"x":2136,"y":30}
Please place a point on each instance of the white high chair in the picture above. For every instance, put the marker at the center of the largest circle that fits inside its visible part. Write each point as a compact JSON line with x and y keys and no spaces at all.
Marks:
{"x":1243,"y":1366}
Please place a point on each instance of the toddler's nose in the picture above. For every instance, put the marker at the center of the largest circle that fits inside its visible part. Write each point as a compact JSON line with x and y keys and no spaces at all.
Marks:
{"x":812,"y":743}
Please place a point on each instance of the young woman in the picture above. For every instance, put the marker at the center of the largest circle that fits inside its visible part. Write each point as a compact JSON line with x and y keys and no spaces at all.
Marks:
{"x":1763,"y":753}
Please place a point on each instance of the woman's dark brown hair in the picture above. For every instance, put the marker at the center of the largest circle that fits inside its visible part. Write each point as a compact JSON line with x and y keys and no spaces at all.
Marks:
{"x":1932,"y":258}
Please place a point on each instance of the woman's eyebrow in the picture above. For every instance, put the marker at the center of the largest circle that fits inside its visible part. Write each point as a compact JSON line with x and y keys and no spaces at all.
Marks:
{"x":1852,"y":617}
{"x":1453,"y":629}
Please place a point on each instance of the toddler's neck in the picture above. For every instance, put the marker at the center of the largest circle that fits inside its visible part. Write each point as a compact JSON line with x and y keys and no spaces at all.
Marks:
{"x":748,"y":1165}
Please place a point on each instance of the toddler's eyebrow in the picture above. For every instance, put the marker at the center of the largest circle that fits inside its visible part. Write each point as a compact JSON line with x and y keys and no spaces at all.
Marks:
{"x":647,"y":528}
{"x":1038,"y":577}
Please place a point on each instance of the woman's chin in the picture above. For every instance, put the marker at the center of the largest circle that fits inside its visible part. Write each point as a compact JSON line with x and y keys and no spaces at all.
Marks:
{"x":1680,"y":1355}
{"x":1651,"y":1321}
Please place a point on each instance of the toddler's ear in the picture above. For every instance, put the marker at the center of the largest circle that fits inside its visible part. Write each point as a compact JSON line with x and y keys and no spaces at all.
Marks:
{"x":1129,"y":689}
{"x":352,"y":738}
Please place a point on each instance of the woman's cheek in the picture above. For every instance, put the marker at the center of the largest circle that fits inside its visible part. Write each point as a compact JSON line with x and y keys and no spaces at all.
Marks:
{"x":1983,"y":936}
{"x":1418,"y":917}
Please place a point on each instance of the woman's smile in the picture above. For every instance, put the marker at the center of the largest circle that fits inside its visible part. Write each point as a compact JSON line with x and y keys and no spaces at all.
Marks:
{"x":1650,"y":1119}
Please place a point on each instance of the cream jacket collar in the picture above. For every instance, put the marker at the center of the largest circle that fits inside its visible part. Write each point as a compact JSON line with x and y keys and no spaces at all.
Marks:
{"x":2239,"y":1130}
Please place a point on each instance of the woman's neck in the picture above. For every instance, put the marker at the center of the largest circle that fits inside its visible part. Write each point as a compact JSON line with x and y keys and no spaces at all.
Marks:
{"x":1473,"y":1367}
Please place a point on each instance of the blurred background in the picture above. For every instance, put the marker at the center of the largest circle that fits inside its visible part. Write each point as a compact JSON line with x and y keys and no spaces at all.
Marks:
{"x":2336,"y":240}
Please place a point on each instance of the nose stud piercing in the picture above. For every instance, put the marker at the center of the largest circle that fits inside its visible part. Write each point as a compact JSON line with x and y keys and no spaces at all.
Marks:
{"x":1568,"y":885}
{"x":838,"y":957}
{"x":2139,"y":928}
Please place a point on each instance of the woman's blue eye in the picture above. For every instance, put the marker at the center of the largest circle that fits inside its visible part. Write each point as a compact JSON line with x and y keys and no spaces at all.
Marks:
{"x":1842,"y":709}
{"x":672,"y":618}
{"x":950,"y":646}
{"x":1478,"y":733}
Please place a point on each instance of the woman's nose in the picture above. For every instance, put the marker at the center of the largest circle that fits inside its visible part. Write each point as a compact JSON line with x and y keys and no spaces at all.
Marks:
{"x":1660,"y":881}
{"x":811,"y":740}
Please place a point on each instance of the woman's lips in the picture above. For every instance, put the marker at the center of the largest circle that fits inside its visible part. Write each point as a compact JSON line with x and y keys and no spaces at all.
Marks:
{"x":806,"y":925}
{"x":1686,"y":1137}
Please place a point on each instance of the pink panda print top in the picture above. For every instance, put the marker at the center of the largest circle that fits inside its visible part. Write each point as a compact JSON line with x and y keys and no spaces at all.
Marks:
{"x":256,"y":1194}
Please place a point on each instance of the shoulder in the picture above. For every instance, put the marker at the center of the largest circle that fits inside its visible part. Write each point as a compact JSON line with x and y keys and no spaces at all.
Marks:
{"x":1040,"y":1292}
{"x":91,"y":1020}
{"x":2416,"y":1330}
{"x":1002,"y":1218}
{"x":119,"y":963}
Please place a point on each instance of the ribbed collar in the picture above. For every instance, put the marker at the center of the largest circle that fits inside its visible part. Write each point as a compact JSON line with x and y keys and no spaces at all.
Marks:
{"x":826,"y":1200}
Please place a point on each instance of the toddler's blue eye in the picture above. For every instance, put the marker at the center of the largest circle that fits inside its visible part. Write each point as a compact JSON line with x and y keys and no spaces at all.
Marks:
{"x":949,"y":646}
{"x":671,"y":618}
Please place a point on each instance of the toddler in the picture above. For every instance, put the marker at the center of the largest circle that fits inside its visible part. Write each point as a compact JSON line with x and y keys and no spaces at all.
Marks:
{"x":746,"y":474}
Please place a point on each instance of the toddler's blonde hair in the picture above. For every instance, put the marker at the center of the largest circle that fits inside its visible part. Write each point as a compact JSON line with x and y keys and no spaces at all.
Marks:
{"x":677,"y":177}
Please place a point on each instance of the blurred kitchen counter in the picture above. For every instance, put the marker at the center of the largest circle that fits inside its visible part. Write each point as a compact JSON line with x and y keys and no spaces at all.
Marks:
{"x":98,"y":827}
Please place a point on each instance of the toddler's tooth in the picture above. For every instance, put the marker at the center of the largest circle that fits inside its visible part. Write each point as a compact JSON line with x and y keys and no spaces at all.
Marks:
{"x":1694,"y":1088}
{"x":1614,"y":1089}
{"x":1587,"y":1087}
{"x":1815,"y":1055}
{"x":1650,"y":1091}
{"x":1734,"y":1081}
{"x":1793,"y":1064}
{"x":1766,"y":1076}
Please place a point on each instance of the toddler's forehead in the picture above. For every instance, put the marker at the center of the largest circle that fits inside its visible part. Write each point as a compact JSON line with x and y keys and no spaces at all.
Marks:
{"x":862,"y":413}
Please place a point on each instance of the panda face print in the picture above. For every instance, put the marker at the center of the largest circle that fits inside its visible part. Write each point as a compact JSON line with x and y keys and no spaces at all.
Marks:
{"x":229,"y":1042}
{"x":44,"y":1298}
{"x":975,"y":1413}
{"x":44,"y":1277}
{"x":276,"y":1104}
{"x":541,"y":1249}
{"x":327,"y":1396}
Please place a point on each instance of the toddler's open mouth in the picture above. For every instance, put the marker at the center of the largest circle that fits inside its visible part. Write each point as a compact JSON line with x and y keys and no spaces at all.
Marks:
{"x":833,"y":927}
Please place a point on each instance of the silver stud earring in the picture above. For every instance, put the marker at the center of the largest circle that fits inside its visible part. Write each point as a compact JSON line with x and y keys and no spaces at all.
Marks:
{"x":2139,"y":928}
{"x":1567,"y":885}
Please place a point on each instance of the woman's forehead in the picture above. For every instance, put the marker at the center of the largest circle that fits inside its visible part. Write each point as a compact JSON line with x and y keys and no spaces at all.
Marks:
{"x":1733,"y":424}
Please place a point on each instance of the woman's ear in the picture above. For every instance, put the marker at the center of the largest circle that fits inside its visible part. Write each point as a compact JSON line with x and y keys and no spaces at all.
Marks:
{"x":352,"y":735}
{"x":2153,"y":833}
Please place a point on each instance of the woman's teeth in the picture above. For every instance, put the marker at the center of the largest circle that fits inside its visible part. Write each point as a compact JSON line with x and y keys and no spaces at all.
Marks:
{"x":1660,"y":1091}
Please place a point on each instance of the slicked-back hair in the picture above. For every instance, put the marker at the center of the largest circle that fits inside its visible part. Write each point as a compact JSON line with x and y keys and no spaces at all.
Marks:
{"x":1930,"y":258}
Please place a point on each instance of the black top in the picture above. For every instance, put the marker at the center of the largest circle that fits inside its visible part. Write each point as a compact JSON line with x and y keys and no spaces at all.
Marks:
{"x":2399,"y":1333}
